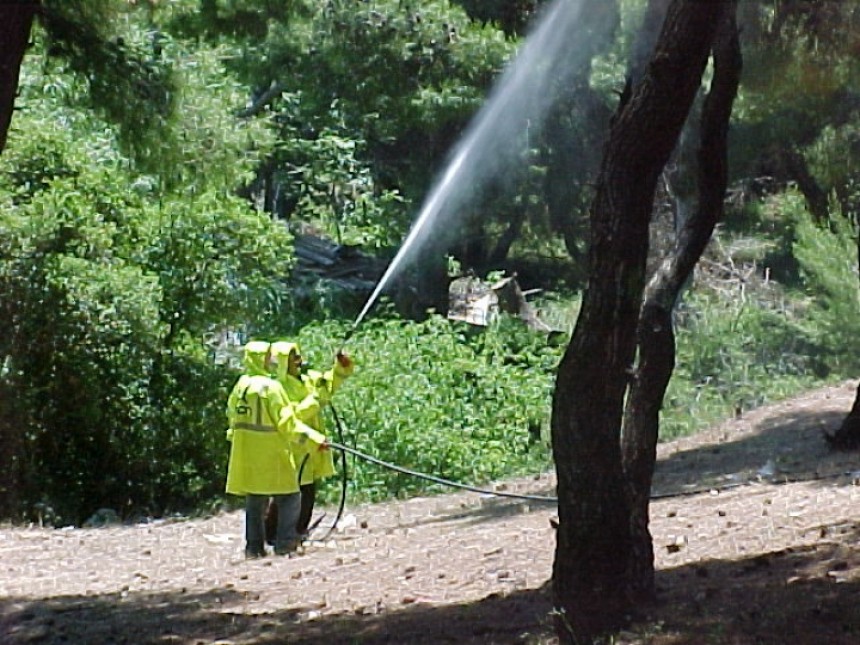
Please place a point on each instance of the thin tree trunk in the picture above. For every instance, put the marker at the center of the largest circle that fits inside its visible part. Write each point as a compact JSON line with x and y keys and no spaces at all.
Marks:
{"x":591,"y":577}
{"x":499,"y":254}
{"x":16,"y":19}
{"x":848,"y":435}
{"x":655,"y":335}
{"x":786,"y":164}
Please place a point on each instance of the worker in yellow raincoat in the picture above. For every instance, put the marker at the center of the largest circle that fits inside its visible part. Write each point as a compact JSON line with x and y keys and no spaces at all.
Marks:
{"x":263,"y":433}
{"x":308,"y":393}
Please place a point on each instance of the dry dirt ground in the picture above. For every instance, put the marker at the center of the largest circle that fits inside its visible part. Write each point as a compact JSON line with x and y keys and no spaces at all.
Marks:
{"x":755,"y":525}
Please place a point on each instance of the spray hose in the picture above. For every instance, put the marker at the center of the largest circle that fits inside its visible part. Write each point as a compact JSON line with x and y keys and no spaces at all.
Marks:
{"x":347,"y":336}
{"x":432,"y":478}
{"x":439,"y":480}
{"x":534,"y":498}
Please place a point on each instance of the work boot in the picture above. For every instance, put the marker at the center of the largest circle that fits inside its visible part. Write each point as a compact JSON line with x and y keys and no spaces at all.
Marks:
{"x":288,"y":549}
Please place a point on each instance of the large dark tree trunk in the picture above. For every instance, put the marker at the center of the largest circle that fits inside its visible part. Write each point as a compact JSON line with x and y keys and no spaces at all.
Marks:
{"x":16,"y":18}
{"x":655,"y":335}
{"x":848,"y":435}
{"x":591,"y":578}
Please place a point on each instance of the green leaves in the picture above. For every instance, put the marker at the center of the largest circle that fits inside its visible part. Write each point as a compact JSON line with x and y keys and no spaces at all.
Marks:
{"x":110,"y":281}
{"x":828,"y":259}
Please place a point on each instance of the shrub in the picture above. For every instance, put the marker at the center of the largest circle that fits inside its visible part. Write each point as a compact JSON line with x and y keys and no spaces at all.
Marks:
{"x":443,"y":398}
{"x":828,"y":258}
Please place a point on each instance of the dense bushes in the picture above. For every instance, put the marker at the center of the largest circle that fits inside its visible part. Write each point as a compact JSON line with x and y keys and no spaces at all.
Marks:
{"x":827,"y":254}
{"x":109,"y":282}
{"x":450,"y":400}
{"x":103,"y":356}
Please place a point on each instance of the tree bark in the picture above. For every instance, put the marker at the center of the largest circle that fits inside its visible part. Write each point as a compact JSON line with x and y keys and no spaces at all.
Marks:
{"x":591,"y":579}
{"x":655,"y":335}
{"x":16,"y":19}
{"x":848,"y":435}
{"x":499,"y":254}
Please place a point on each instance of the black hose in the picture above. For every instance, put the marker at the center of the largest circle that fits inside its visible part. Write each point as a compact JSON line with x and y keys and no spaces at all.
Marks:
{"x":344,"y":476}
{"x":439,"y":480}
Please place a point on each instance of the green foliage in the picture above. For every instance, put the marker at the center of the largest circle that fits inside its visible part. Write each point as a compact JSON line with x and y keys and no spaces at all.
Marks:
{"x":174,"y":110}
{"x":799,"y":75}
{"x":206,"y":146}
{"x":458,"y":402}
{"x":512,"y":17}
{"x":123,"y":246}
{"x":735,"y":353}
{"x":123,"y":79}
{"x":834,"y":160}
{"x":110,"y":285}
{"x":333,"y":189}
{"x":374,"y":97}
{"x":829,"y":263}
{"x":214,"y":258}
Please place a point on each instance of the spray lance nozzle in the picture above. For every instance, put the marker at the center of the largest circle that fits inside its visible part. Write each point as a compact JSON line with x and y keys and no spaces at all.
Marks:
{"x":346,"y":338}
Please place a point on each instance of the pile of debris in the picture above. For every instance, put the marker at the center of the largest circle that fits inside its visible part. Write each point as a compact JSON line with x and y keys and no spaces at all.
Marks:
{"x":476,"y":302}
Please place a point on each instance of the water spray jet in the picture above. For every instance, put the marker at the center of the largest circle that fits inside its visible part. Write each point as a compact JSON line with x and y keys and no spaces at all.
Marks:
{"x":517,"y":105}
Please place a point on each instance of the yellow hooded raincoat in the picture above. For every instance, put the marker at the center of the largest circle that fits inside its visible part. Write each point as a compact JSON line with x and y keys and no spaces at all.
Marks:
{"x":261,"y":431}
{"x":308,"y":394}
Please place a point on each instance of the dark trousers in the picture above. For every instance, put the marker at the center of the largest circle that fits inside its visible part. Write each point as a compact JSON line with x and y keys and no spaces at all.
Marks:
{"x":306,"y":509}
{"x":283,"y":530}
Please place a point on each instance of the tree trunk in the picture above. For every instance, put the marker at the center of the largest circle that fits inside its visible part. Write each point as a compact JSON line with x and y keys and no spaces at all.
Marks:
{"x":591,"y":578}
{"x":499,"y":254}
{"x":848,"y":435}
{"x":785,"y":165}
{"x":655,"y":335}
{"x":15,"y":22}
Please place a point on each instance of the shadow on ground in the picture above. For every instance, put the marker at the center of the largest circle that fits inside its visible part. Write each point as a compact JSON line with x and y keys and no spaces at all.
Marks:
{"x":787,"y":447}
{"x":219,"y":617}
{"x":803,"y":596}
{"x":488,"y":510}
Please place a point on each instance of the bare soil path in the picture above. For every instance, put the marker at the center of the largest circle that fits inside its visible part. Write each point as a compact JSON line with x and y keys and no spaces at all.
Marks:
{"x":755,"y":525}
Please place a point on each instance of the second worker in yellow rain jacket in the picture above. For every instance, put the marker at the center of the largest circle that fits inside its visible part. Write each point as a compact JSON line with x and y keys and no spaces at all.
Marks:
{"x":308,"y":393}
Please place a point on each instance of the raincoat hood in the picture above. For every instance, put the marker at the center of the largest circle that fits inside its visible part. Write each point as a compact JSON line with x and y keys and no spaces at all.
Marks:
{"x":255,"y":358}
{"x":281,"y":351}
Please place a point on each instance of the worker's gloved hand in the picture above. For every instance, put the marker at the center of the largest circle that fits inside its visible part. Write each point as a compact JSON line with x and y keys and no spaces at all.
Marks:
{"x":324,"y":446}
{"x":343,"y":359}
